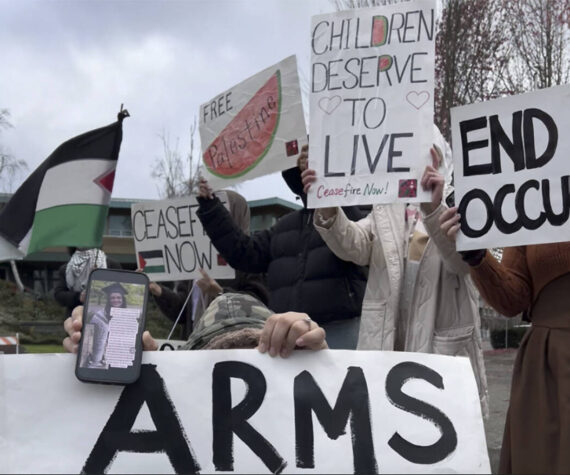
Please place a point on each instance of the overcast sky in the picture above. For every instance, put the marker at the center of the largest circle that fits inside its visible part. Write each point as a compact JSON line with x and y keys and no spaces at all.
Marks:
{"x":68,"y":65}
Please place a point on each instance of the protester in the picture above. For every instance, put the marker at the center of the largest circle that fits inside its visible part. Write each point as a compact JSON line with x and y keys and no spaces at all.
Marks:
{"x":170,"y":301}
{"x":233,"y":321}
{"x":100,"y":320}
{"x":302,"y":273}
{"x":71,"y":284}
{"x":419,"y":295}
{"x":534,"y":278}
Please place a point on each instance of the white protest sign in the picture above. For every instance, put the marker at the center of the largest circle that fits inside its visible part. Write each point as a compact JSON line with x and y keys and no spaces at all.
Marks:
{"x":512,"y":179}
{"x":255,"y":128}
{"x":171,"y":243}
{"x":371,"y":104}
{"x":243,"y":412}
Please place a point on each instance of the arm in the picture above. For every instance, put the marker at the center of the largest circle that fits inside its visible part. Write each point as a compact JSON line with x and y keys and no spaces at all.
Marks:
{"x":242,"y":252}
{"x":348,"y":240}
{"x":170,"y":302}
{"x":452,"y":260}
{"x":506,"y":286}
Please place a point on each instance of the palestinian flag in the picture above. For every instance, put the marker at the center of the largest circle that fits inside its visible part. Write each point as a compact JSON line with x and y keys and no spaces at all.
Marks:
{"x":64,"y":202}
{"x":151,"y":261}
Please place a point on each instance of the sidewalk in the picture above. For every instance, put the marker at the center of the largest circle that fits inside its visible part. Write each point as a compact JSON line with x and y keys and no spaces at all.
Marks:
{"x":499,"y":367}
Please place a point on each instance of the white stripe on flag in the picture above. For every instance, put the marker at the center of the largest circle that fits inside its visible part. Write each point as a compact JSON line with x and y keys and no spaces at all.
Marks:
{"x":74,"y":183}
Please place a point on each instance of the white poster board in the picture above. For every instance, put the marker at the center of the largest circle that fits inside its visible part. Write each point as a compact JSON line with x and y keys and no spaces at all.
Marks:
{"x":240,"y":411}
{"x":255,"y":128}
{"x":512,"y":179}
{"x":371,"y":104}
{"x":171,"y":243}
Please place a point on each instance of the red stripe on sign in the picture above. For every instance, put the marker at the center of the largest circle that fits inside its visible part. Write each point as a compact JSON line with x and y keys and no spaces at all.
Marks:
{"x":7,"y":340}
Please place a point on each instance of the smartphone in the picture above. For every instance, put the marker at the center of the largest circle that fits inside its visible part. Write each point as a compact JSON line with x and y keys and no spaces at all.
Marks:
{"x":114,"y":313}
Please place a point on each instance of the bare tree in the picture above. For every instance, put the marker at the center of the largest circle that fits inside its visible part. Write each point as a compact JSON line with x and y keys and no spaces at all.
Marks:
{"x":10,"y":167}
{"x":177,"y":173}
{"x":471,"y":53}
{"x":541,"y":38}
{"x":472,"y":61}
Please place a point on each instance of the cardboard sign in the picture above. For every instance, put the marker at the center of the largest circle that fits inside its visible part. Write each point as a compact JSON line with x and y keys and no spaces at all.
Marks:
{"x":171,"y":243}
{"x":371,"y":104}
{"x":255,"y":128}
{"x":240,"y":411}
{"x":512,"y":180}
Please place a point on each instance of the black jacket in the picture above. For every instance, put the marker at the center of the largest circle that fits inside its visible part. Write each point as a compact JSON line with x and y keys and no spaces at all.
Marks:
{"x":303,"y":275}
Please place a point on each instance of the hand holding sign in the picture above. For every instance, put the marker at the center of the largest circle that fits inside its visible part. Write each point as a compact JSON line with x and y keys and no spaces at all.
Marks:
{"x":207,"y":285}
{"x":434,"y":181}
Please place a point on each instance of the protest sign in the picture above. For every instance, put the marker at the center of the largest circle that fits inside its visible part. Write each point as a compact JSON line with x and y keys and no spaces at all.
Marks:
{"x":511,"y":169}
{"x":371,"y":104}
{"x":243,"y":412}
{"x":171,"y":243}
{"x":255,"y":128}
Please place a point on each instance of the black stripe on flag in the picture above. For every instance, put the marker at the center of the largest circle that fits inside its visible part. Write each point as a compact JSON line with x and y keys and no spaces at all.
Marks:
{"x":150,"y":254}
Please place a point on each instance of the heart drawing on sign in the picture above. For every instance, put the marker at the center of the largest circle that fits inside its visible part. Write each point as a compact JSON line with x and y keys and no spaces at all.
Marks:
{"x":329,"y":104}
{"x":417,"y":99}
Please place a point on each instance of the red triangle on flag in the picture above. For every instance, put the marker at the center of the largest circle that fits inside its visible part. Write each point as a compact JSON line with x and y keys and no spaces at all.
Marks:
{"x":106,"y":180}
{"x":142,"y":262}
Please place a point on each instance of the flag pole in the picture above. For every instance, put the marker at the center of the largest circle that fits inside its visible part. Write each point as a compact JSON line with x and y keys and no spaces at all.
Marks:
{"x":16,"y":275}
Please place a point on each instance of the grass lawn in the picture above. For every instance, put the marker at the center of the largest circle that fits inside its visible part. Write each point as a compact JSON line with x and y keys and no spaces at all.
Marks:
{"x":31,"y":348}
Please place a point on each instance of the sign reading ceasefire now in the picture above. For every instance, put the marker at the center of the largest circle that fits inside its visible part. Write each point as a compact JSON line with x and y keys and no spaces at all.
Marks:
{"x":171,"y":243}
{"x":238,"y":411}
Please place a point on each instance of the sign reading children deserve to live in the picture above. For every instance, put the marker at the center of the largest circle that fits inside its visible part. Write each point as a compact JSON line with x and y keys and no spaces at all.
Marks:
{"x":238,"y":411}
{"x":371,"y":104}
{"x":255,"y":128}
{"x":171,"y":243}
{"x":512,"y":173}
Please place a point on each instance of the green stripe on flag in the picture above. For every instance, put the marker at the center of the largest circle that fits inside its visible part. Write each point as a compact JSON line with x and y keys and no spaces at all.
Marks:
{"x":79,"y":225}
{"x":153,"y":269}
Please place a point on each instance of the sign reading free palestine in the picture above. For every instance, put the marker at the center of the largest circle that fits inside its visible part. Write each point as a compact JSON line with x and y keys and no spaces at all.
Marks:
{"x":371,"y":104}
{"x":255,"y":128}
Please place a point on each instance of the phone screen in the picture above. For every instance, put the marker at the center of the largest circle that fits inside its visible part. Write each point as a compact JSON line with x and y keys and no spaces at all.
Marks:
{"x":110,"y":349}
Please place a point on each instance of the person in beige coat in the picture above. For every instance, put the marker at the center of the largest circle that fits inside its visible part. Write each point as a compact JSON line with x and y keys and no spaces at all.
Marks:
{"x":419,"y":296}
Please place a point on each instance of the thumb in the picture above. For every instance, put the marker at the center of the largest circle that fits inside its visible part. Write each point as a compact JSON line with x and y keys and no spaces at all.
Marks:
{"x":149,"y":343}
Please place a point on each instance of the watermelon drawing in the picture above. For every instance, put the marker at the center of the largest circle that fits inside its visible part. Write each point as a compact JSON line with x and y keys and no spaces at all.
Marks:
{"x":243,"y":143}
{"x":379,"y":30}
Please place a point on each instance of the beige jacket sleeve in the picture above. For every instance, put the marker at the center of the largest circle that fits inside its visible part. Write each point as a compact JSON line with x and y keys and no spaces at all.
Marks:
{"x":451,"y":258}
{"x":348,"y":240}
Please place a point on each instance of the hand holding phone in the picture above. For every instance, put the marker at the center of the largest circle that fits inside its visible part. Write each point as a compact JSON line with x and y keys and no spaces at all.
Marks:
{"x":110,"y":350}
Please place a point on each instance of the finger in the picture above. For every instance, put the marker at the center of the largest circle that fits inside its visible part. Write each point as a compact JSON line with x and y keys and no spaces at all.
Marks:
{"x":452,"y":233}
{"x":448,"y":225}
{"x":68,"y":325}
{"x":265,"y":337}
{"x":77,"y":318}
{"x":278,"y":336}
{"x":205,"y":275}
{"x":305,"y":148}
{"x":149,"y":343}
{"x":435,"y":158}
{"x":448,"y":214}
{"x":313,"y":340}
{"x":69,"y":346}
{"x":297,"y":329}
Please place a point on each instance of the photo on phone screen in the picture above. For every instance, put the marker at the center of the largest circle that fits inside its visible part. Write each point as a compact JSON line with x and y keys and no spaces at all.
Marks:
{"x":113,"y":321}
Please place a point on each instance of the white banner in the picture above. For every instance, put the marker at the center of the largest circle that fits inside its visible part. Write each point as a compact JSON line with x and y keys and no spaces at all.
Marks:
{"x":255,"y":128}
{"x":512,"y":180}
{"x":243,"y":412}
{"x":371,"y":104}
{"x":171,"y":243}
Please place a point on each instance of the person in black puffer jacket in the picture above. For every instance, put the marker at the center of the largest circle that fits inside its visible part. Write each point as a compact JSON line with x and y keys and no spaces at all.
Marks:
{"x":303,"y":275}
